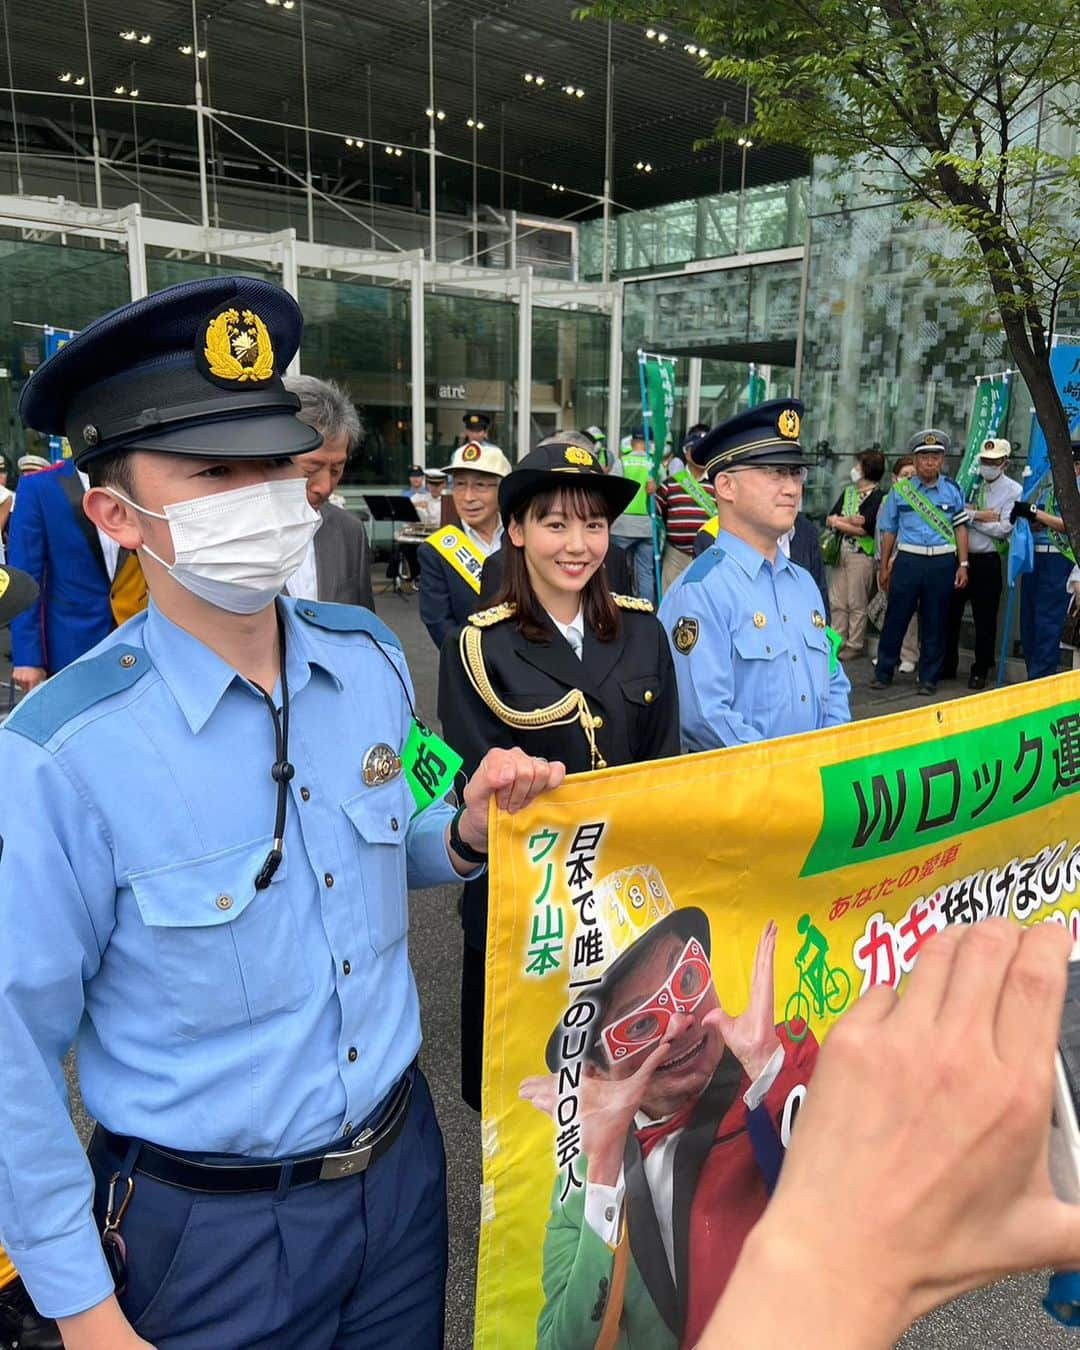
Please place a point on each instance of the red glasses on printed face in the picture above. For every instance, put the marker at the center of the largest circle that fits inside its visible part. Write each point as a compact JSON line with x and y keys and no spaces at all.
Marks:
{"x":644,"y":1026}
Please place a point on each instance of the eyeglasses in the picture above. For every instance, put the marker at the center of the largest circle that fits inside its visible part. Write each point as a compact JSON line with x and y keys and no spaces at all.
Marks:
{"x":774,"y":472}
{"x":645,"y":1025}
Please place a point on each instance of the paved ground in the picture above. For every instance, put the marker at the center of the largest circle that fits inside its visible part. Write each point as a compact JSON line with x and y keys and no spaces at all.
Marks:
{"x":1006,"y":1316}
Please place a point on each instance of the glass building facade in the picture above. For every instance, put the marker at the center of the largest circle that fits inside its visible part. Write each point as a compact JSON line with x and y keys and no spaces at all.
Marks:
{"x":810,"y":287}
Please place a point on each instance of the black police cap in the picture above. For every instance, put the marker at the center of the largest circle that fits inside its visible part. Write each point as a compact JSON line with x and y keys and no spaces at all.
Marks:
{"x":767,"y":434}
{"x":194,"y":369}
{"x":477,"y":421}
{"x":18,"y":591}
{"x":558,"y":465}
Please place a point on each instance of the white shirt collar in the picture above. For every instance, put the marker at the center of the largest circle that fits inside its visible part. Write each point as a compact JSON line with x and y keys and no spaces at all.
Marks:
{"x":487,"y":547}
{"x":576,"y":626}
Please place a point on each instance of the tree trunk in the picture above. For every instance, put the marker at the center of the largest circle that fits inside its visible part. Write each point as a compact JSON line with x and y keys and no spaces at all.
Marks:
{"x":1054,"y":423}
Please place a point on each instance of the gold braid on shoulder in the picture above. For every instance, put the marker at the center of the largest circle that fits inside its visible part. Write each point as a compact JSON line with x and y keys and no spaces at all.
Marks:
{"x":572,"y":707}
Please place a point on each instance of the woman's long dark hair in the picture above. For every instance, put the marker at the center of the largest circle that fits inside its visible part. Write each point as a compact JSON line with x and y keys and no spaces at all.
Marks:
{"x":599,"y":611}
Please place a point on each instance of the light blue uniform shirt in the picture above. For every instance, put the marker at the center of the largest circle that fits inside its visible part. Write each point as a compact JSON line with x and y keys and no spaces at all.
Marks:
{"x":897,"y":517}
{"x":759,"y":666}
{"x":209,"y":1016}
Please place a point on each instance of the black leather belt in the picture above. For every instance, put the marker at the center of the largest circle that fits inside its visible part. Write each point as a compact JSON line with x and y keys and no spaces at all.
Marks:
{"x":109,"y":1150}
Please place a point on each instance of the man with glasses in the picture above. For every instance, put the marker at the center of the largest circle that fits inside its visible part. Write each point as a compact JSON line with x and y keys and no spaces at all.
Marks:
{"x":452,"y":557}
{"x":685,"y":1111}
{"x":924,"y":559}
{"x":752,"y":653}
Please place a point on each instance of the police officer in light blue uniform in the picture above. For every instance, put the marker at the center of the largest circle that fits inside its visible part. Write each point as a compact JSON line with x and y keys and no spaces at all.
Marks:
{"x":925,"y":517}
{"x":753,"y":656}
{"x":211,"y":899}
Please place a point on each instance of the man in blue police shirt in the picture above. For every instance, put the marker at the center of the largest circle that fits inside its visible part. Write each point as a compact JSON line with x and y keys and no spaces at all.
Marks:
{"x":753,"y":657}
{"x":212,"y":896}
{"x":925,"y":517}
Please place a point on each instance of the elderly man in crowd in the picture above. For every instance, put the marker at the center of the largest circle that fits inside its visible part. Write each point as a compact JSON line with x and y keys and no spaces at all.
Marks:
{"x":337,"y":565}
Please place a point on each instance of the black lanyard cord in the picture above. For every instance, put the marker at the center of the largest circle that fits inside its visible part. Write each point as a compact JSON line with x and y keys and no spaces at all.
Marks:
{"x":281,"y":771}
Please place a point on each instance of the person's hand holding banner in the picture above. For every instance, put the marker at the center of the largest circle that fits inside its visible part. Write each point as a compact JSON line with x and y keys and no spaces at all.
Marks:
{"x":924,"y":1136}
{"x":514,"y":779}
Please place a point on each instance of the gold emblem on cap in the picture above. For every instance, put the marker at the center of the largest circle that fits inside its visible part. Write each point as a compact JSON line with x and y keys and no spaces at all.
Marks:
{"x":759,"y":620}
{"x":575,"y":455}
{"x":238,"y":347}
{"x":932,"y":440}
{"x":817,"y":618}
{"x":470,"y":451}
{"x":685,"y":634}
{"x":5,"y":580}
{"x":381,"y":763}
{"x":788,"y":424}
{"x":989,"y":445}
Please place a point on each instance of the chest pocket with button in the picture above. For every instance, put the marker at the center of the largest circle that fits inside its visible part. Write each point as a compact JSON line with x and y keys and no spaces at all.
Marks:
{"x":380,"y":819}
{"x":762,"y":679}
{"x":817,"y":654}
{"x":228,"y":955}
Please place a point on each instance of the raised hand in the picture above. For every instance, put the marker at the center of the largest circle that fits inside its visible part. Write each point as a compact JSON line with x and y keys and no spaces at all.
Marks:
{"x":752,"y":1035}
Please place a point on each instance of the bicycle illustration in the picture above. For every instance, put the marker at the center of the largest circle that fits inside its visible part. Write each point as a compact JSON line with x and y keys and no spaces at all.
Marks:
{"x":822,"y":988}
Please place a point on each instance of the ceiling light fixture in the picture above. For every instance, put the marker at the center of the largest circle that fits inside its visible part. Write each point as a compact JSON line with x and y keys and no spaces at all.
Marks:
{"x":66,"y":77}
{"x":472,"y":122}
{"x":80,"y":80}
{"x":354,"y":143}
{"x":439,"y":116}
{"x":145,"y":39}
{"x":691,"y":48}
{"x":643,"y":167}
{"x":538,"y":80}
{"x":134,"y":93}
{"x":128,"y":34}
{"x":119,"y":89}
{"x":745,"y":142}
{"x":661,"y":38}
{"x":650,"y":32}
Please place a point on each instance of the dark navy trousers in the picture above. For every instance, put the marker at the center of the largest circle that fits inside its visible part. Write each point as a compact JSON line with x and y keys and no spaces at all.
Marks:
{"x":924,"y":583}
{"x":357,"y":1263}
{"x":1044,"y":602}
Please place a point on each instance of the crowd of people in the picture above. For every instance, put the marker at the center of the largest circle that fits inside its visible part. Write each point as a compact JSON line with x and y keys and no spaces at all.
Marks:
{"x":227,"y":821}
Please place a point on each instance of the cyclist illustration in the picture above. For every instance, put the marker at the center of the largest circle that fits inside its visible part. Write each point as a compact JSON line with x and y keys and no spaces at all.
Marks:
{"x":822,"y":988}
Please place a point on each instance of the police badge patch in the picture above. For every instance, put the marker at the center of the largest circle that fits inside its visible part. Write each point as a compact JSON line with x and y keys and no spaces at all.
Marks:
{"x":237,"y":349}
{"x":381,"y":763}
{"x":685,"y":634}
{"x":470,"y":452}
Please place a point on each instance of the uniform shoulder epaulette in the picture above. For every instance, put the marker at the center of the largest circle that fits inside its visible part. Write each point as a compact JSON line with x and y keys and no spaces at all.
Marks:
{"x":703,"y":564}
{"x":632,"y":602}
{"x":484,"y":618}
{"x":77,"y":688}
{"x":346,"y":619}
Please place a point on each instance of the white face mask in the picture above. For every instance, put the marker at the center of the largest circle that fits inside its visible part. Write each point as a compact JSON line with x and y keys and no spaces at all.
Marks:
{"x":991,"y":472}
{"x":856,"y":474}
{"x":237,"y":549}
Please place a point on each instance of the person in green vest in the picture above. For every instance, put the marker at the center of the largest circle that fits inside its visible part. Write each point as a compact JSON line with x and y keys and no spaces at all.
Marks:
{"x":633,"y":531}
{"x":851,"y":579}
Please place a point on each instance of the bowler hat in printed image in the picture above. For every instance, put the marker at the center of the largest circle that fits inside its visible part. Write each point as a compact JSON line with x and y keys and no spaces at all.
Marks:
{"x":557,"y":464}
{"x":194,"y":369}
{"x":633,"y":910}
{"x":760,"y":436}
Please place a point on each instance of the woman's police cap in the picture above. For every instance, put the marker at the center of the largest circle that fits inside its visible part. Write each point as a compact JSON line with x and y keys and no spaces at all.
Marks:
{"x":556,"y":465}
{"x":194,"y":369}
{"x":767,"y":434}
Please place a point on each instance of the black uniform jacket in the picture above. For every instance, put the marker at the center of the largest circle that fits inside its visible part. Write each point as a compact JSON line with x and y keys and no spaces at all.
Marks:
{"x":628,"y":682}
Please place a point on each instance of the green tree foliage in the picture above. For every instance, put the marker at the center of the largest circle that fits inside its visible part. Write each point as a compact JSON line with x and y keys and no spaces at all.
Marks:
{"x":947,"y":103}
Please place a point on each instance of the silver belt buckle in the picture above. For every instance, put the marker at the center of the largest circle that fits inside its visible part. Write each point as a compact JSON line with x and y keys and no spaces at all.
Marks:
{"x":349,"y":1162}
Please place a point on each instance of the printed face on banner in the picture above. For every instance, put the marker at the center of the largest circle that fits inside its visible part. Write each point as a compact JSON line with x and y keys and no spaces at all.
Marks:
{"x":660,"y":980}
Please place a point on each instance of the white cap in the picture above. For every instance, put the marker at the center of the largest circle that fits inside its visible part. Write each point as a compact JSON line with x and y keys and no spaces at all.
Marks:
{"x":995,"y":449}
{"x":25,"y":462}
{"x":481,"y":457}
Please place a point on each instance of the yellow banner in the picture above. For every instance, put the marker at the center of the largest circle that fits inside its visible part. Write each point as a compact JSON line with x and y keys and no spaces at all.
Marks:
{"x":734,"y":903}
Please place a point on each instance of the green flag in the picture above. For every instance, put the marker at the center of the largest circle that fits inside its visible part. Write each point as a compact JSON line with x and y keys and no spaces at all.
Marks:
{"x":987,"y":419}
{"x":659,"y":402}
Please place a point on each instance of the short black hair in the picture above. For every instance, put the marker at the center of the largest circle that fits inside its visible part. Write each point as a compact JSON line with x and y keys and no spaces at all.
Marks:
{"x":113,"y":471}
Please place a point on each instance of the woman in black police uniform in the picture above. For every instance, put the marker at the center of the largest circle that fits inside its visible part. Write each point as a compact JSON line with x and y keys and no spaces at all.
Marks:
{"x":558,"y":665}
